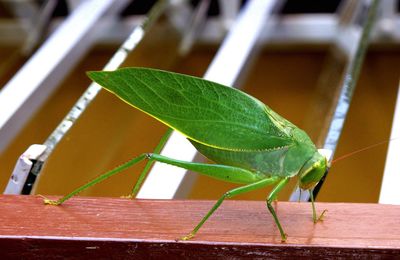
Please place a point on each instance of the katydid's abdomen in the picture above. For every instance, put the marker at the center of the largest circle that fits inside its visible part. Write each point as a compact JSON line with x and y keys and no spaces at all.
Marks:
{"x":285,"y":161}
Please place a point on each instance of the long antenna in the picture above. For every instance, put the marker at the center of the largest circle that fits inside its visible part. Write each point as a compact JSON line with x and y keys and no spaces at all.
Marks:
{"x":362,"y":150}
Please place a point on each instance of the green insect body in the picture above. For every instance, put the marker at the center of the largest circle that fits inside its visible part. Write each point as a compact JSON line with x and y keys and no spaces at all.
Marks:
{"x":250,"y":143}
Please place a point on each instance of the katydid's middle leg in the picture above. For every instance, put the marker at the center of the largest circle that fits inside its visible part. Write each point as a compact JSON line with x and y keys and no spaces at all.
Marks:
{"x":222,"y":172}
{"x":272,"y":196}
{"x":250,"y":187}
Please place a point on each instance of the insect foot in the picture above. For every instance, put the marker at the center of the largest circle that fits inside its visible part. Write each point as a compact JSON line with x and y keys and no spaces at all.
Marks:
{"x":321,"y":217}
{"x":185,"y":238}
{"x":47,"y":201}
{"x":283,"y":238}
{"x":129,"y":197}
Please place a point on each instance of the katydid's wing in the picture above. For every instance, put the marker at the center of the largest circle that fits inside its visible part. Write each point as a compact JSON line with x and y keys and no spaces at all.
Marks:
{"x":204,"y":111}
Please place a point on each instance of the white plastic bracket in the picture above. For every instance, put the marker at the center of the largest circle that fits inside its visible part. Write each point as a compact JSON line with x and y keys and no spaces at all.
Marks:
{"x":23,"y":168}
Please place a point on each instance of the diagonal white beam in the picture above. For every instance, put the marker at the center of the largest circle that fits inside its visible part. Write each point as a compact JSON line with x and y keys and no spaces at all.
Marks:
{"x":41,"y":74}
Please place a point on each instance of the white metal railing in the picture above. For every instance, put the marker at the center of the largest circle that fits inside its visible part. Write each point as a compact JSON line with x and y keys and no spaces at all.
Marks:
{"x":24,"y":167}
{"x":41,"y":74}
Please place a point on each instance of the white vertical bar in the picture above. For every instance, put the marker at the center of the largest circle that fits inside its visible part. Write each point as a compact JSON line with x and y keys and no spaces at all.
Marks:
{"x":164,"y":180}
{"x":390,"y":191}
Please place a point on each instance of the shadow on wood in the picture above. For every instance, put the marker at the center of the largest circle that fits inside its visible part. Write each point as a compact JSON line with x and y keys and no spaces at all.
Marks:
{"x":119,"y":228}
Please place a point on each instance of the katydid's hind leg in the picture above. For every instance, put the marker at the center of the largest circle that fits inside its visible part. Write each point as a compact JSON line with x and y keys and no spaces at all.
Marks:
{"x":229,"y":194}
{"x":272,"y":196}
{"x":97,"y":180}
{"x":201,"y":168}
{"x":315,"y":218}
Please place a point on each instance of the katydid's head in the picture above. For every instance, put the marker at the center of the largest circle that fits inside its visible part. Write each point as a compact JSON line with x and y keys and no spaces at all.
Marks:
{"x":313,"y":170}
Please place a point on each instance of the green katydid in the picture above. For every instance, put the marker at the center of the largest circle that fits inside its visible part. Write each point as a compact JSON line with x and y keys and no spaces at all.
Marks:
{"x":250,"y":144}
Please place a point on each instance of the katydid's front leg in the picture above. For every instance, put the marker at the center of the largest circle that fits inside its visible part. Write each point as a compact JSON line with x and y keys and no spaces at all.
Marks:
{"x":272,"y":196}
{"x":315,"y":219}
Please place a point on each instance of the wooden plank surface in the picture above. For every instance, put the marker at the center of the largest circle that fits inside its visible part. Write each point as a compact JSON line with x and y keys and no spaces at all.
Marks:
{"x":119,"y":228}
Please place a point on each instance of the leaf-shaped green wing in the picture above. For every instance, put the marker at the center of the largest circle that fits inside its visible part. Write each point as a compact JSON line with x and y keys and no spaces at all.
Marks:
{"x":204,"y":111}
